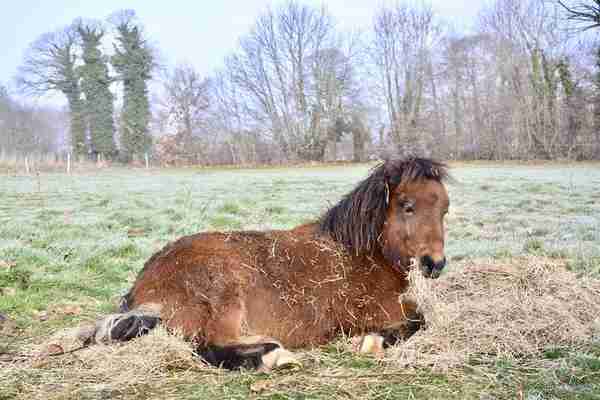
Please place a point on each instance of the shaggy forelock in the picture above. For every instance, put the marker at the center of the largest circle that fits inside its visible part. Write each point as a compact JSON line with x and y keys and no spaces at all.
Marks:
{"x":357,"y":220}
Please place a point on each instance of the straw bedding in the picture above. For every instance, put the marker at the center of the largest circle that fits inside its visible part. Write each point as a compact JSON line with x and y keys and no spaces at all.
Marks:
{"x":492,"y":309}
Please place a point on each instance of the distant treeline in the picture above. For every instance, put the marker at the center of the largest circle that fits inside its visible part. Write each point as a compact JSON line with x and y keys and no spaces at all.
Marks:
{"x":523,"y":83}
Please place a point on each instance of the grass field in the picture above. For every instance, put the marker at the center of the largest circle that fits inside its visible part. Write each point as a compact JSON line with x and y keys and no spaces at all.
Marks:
{"x":69,"y":245}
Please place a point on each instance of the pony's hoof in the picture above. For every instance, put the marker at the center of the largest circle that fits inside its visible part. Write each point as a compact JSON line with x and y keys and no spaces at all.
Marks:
{"x":369,"y":344}
{"x":279,"y":359}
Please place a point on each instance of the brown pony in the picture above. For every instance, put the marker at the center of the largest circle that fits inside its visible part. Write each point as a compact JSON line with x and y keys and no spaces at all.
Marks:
{"x":242,"y":296}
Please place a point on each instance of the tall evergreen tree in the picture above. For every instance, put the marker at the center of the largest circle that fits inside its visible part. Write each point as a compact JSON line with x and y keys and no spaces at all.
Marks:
{"x":133,"y":60}
{"x":95,"y":84}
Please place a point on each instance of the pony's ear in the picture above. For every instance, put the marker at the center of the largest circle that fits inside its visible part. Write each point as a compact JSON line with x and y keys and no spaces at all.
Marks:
{"x":389,"y":172}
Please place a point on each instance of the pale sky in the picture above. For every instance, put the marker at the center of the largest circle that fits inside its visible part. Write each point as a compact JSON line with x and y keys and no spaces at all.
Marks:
{"x":201,"y":32}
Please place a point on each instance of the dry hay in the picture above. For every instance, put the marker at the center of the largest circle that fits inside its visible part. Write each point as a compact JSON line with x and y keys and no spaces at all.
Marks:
{"x":508,"y":310}
{"x":151,"y":360}
{"x":152,"y":355}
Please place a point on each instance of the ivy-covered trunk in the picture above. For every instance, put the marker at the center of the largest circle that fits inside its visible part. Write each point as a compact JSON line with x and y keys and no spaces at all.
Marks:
{"x":95,"y":84}
{"x":133,"y":60}
{"x":72,"y":90}
{"x":543,"y":105}
{"x":77,"y":126}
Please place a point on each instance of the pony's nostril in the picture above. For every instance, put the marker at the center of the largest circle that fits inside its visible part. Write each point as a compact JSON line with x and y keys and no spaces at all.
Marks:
{"x":432,"y":268}
{"x":428,"y":262}
{"x":440,"y":265}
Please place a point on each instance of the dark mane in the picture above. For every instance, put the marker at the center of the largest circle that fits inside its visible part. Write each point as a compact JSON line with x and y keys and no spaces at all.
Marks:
{"x":357,"y":220}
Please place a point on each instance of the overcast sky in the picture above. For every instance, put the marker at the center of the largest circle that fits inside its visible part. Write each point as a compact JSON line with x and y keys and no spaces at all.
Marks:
{"x":201,"y":32}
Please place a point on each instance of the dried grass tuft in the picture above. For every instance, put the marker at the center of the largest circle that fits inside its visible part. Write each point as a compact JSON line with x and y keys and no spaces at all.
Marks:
{"x":152,"y":355}
{"x":148,"y":360}
{"x":500,"y":310}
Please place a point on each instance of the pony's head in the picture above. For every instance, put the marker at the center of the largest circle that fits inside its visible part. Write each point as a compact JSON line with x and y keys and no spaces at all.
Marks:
{"x":398,"y":211}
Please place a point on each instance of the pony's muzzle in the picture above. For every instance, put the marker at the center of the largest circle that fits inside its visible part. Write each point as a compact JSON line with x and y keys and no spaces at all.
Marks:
{"x":432,"y":268}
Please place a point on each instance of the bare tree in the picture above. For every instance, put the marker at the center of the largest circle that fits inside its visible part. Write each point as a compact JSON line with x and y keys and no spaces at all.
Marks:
{"x":25,"y":129}
{"x":184,"y":104}
{"x":336,"y":99}
{"x":232,"y":125}
{"x":50,"y":65}
{"x":586,"y":15}
{"x":470,"y":81}
{"x":293,"y":74}
{"x":405,"y":36}
{"x":186,"y":99}
{"x":528,"y":34}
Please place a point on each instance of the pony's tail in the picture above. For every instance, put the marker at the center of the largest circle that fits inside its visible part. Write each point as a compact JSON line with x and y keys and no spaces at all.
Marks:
{"x":123,"y":326}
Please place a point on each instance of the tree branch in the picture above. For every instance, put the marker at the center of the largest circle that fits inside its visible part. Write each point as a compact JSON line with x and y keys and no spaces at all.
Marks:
{"x":583,"y":13}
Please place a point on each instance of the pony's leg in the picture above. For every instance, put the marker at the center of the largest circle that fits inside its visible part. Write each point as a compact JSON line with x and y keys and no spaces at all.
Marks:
{"x":221,"y":338}
{"x":400,"y":332}
{"x":253,"y":352}
{"x":392,"y":334}
{"x":124,"y":326}
{"x":263,"y":355}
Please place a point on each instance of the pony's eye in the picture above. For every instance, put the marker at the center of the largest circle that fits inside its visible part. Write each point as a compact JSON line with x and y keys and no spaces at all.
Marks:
{"x":409,"y":208}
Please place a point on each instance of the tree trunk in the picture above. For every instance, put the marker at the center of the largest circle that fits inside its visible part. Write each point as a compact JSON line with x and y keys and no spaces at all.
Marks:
{"x":359,"y":134}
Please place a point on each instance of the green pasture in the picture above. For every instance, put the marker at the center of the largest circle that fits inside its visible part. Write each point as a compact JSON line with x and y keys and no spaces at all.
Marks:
{"x":78,"y":241}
